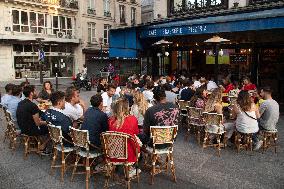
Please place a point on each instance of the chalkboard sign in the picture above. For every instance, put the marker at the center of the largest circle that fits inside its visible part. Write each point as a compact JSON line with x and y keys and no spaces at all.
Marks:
{"x":238,"y":58}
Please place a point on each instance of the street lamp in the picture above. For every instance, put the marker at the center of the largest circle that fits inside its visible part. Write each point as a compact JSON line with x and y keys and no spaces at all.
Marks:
{"x":41,"y":59}
{"x":216,"y":41}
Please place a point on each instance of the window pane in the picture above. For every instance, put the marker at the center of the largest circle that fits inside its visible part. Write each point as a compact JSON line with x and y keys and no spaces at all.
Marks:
{"x":16,"y":28}
{"x":55,"y":21}
{"x":33,"y":19}
{"x":15,"y":14}
{"x":89,"y":33}
{"x":69,"y":23}
{"x":41,"y":20}
{"x":24,"y":18}
{"x":62,"y":22}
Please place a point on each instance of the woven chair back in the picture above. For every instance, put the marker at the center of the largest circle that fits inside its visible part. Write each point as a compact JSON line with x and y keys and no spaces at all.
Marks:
{"x":80,"y":138}
{"x":55,"y":133}
{"x":163,"y":134}
{"x":183,"y":104}
{"x":115,"y":144}
{"x":212,"y":118}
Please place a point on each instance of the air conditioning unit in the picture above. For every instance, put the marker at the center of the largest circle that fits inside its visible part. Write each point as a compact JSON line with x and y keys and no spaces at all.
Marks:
{"x":60,"y":34}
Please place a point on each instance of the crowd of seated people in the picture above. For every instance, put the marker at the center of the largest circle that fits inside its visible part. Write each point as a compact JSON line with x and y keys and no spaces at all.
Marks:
{"x":132,"y":109}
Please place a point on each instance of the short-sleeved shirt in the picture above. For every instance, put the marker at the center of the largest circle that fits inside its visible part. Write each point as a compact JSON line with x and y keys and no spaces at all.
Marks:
{"x":5,"y":99}
{"x":107,"y":102}
{"x":25,"y":111}
{"x":73,"y":112}
{"x":269,"y":111}
{"x":12,"y":106}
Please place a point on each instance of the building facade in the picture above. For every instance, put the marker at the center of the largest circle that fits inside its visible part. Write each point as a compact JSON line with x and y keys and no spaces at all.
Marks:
{"x":71,"y":33}
{"x":254,"y":29}
{"x":153,"y":10}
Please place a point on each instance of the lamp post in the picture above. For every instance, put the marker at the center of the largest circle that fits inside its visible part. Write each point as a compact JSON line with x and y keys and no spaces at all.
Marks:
{"x":41,"y":59}
{"x":216,"y":41}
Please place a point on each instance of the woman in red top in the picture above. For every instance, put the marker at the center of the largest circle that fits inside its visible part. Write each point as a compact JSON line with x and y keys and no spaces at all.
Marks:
{"x":227,"y":85}
{"x":247,"y":85}
{"x":122,"y":121}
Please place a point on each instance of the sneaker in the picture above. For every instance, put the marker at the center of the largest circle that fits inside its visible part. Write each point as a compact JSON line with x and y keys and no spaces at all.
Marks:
{"x":132,"y":172}
{"x":258,"y":145}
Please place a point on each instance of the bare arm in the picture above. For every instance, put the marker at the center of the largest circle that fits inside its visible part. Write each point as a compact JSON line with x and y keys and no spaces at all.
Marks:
{"x":38,"y":121}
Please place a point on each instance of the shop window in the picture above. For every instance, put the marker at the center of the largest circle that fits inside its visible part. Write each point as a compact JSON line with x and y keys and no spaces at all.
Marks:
{"x":28,"y":48}
{"x":106,"y":33}
{"x":18,"y":48}
{"x":92,"y":32}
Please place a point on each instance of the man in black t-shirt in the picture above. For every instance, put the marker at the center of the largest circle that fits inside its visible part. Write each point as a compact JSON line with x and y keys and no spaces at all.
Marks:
{"x":162,"y":114}
{"x":188,"y":92}
{"x":28,"y":116}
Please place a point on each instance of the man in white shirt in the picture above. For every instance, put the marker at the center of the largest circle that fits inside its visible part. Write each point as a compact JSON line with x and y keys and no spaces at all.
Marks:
{"x":74,"y":106}
{"x":107,"y":98}
{"x":211,"y":85}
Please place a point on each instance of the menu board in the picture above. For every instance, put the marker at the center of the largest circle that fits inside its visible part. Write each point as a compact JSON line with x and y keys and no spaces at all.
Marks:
{"x":238,"y":58}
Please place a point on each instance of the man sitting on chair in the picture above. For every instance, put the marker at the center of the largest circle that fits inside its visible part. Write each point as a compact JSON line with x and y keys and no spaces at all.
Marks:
{"x":55,"y":116}
{"x":162,"y":114}
{"x":28,"y":117}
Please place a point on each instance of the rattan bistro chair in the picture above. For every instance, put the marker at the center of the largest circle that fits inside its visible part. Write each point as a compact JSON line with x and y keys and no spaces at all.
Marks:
{"x":82,"y":144}
{"x":165,"y":136}
{"x":195,"y":122}
{"x":183,"y":105}
{"x":57,"y":138}
{"x":115,"y":147}
{"x":269,"y":139}
{"x":214,"y":127}
{"x":243,"y":141}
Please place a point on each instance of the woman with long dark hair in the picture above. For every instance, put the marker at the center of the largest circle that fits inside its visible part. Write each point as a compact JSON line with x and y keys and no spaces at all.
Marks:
{"x":46,"y":91}
{"x":200,"y":97}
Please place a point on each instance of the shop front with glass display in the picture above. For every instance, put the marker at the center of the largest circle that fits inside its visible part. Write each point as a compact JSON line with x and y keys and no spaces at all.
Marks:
{"x":56,"y":60}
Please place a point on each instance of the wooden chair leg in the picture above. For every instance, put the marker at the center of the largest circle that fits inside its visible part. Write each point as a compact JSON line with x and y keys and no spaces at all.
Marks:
{"x":62,"y":166}
{"x":173,"y":167}
{"x":275,"y":142}
{"x":250,"y":143}
{"x":53,"y":161}
{"x":154,"y":159}
{"x":205,"y":142}
{"x":198,"y":136}
{"x":27,"y":140}
{"x":108,"y":175}
{"x":219,"y":145}
{"x":88,"y":170}
{"x":238,"y":143}
{"x":75,"y":167}
{"x":127,"y":178}
{"x":264,"y":142}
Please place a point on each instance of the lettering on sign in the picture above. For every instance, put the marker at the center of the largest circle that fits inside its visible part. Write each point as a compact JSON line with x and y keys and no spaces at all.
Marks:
{"x":197,"y":29}
{"x":153,"y":32}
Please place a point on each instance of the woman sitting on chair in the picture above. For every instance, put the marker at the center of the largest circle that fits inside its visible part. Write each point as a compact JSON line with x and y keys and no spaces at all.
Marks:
{"x":122,"y":121}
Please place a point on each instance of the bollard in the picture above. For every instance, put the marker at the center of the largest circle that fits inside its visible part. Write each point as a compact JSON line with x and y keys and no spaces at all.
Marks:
{"x":26,"y":77}
{"x":56,"y":82}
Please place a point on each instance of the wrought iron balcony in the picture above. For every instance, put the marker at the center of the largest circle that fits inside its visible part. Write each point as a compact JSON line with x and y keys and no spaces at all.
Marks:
{"x":262,"y":2}
{"x":91,"y":11}
{"x":72,"y":4}
{"x":194,"y":6}
{"x":107,"y":14}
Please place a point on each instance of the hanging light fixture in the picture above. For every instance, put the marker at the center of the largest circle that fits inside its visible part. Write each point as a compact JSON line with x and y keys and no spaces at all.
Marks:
{"x":167,"y":53}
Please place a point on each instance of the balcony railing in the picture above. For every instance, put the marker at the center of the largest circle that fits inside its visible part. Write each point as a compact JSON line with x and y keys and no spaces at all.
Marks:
{"x":107,"y":14}
{"x":72,"y":4}
{"x":91,"y":11}
{"x":193,"y":6}
{"x":261,"y":2}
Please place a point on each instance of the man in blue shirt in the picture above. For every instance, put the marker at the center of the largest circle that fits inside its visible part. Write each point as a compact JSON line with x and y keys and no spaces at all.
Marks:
{"x":5,"y":99}
{"x":95,"y":120}
{"x":13,"y":102}
{"x":55,"y":116}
